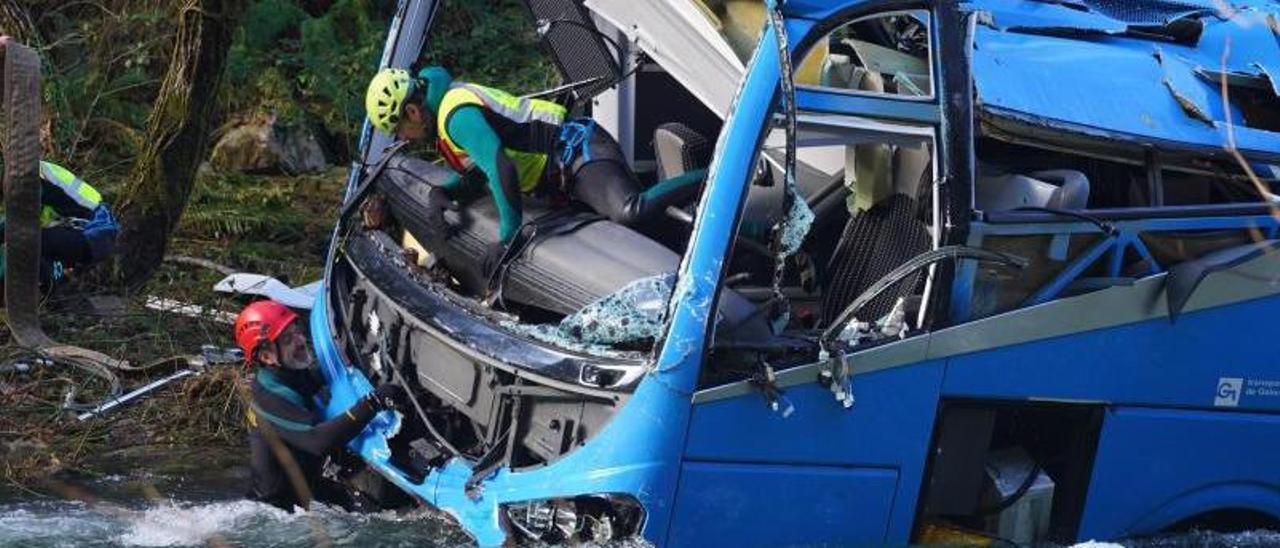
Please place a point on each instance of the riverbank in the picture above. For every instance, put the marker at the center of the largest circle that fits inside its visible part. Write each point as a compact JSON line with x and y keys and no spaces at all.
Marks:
{"x":271,"y":225}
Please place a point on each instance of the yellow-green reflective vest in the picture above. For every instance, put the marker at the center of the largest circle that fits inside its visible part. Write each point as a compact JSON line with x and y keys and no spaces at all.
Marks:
{"x":528,"y":128}
{"x":74,"y":188}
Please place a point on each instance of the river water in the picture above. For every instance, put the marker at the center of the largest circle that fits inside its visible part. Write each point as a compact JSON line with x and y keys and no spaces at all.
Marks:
{"x":245,"y":523}
{"x":132,"y":510}
{"x":228,"y":523}
{"x":193,"y":499}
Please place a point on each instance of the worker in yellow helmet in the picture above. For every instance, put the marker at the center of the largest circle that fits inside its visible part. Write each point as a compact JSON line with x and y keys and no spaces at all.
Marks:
{"x":519,"y":144}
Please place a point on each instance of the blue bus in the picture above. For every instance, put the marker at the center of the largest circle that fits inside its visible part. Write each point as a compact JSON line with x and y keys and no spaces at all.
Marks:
{"x":961,"y":271}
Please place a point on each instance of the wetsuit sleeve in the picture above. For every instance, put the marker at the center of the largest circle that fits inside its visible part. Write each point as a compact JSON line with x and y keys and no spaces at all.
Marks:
{"x":472,"y":132}
{"x":324,"y":437}
{"x":678,"y":187}
{"x":453,"y":183}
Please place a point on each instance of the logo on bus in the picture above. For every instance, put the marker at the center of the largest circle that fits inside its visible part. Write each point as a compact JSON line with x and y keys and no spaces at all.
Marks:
{"x":1229,"y":390}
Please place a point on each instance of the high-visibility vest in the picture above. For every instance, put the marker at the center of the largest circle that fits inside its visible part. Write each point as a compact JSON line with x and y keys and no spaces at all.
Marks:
{"x":528,"y":128}
{"x":73,"y":194}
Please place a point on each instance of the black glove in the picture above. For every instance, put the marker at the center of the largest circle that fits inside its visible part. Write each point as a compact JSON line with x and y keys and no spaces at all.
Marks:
{"x":437,"y":228}
{"x":387,"y":396}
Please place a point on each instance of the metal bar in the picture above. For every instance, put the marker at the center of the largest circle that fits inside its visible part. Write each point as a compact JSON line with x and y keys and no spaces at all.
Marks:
{"x":1144,"y":252}
{"x":123,"y":399}
{"x":1116,"y":260}
{"x":1069,"y":274}
{"x":966,"y":276}
{"x":1133,"y":226}
{"x":898,"y":109}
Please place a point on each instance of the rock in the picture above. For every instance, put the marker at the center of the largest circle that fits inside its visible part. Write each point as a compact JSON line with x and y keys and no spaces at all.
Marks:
{"x":267,"y":145}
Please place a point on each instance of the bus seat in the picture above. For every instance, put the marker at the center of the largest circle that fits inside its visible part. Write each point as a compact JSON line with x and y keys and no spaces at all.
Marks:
{"x":1057,"y":189}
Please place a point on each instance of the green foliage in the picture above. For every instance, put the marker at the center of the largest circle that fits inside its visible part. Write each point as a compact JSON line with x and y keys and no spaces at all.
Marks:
{"x":490,"y":42}
{"x":105,"y":61}
{"x":237,"y":206}
{"x":268,"y":21}
{"x":300,"y":66}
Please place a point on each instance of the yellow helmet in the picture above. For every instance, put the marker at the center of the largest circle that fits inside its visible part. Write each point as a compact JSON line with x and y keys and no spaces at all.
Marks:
{"x":386,"y":96}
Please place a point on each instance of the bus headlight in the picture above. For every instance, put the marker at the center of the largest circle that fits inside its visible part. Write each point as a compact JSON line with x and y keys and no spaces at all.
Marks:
{"x":584,"y":518}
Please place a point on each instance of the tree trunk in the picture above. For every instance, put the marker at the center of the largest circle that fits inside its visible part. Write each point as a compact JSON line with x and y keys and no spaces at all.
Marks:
{"x":177,"y":137}
{"x":15,"y":22}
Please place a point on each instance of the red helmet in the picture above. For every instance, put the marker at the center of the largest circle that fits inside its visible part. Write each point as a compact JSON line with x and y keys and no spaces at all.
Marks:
{"x":261,"y":321}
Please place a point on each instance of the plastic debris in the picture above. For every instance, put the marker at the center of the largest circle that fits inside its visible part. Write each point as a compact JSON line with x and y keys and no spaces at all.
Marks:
{"x":245,"y":283}
{"x":214,"y":355}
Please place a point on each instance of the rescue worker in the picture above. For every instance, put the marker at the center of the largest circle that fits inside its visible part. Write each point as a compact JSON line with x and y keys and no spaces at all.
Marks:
{"x":77,"y":227}
{"x":288,"y":438}
{"x":522,"y":146}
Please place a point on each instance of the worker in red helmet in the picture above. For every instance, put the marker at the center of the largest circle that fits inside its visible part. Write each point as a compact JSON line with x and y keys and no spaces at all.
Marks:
{"x":289,"y":439}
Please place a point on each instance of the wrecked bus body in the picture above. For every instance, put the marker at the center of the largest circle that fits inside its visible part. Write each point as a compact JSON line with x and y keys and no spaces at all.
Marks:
{"x":996,"y":267}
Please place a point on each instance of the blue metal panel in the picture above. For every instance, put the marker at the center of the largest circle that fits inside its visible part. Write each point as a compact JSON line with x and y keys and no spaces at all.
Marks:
{"x":717,"y":503}
{"x":1155,"y":467}
{"x":1148,"y":363}
{"x":1121,"y":86}
{"x":890,"y":426}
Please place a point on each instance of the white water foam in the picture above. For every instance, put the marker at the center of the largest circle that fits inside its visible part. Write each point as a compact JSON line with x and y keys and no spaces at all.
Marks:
{"x":23,"y":526}
{"x":174,"y":524}
{"x":59,"y":524}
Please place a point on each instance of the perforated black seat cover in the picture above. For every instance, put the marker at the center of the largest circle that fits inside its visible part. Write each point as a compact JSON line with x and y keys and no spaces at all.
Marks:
{"x":874,"y":242}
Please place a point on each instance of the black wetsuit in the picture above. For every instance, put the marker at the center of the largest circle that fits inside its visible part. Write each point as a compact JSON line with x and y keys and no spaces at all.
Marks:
{"x":284,"y":408}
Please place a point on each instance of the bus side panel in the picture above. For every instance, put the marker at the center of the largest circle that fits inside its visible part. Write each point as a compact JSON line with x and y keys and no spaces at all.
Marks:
{"x":889,"y":427}
{"x":1155,"y":467}
{"x":1155,"y":363}
{"x":727,"y":504}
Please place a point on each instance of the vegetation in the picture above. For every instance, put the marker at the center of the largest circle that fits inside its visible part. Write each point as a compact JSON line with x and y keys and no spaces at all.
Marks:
{"x":304,"y":62}
{"x":177,"y":137}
